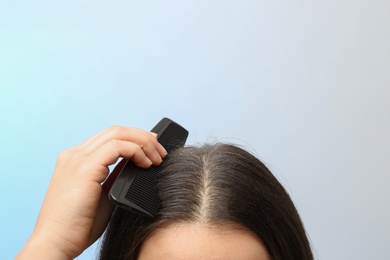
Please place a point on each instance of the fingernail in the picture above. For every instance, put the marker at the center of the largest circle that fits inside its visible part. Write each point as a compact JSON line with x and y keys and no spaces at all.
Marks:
{"x":165,"y":151}
{"x":149,"y":162}
{"x":156,"y":158}
{"x":154,"y":134}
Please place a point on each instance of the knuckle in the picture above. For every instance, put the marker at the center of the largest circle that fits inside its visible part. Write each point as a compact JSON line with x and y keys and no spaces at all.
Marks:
{"x":116,"y":129}
{"x":149,"y":148}
{"x":148,"y":141}
{"x":64,"y":155}
{"x":115,"y":144}
{"x":67,"y":156}
{"x":152,"y":139}
{"x":138,"y":150}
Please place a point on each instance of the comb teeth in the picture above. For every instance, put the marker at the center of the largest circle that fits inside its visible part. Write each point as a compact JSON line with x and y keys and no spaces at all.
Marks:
{"x":143,"y":191}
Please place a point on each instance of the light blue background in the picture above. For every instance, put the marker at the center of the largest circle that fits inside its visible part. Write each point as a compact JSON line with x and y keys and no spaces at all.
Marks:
{"x":303,"y":84}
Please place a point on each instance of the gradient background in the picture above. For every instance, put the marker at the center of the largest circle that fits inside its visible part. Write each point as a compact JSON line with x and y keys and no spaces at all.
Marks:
{"x":303,"y":84}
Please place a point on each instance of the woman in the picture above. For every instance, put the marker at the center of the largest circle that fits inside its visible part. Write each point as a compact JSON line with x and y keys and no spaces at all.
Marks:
{"x":217,"y":201}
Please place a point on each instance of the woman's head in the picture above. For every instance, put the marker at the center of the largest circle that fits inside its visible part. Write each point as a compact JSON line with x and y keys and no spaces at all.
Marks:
{"x":220,"y":190}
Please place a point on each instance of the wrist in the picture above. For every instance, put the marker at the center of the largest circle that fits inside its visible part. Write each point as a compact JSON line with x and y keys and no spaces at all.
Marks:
{"x":41,"y":247}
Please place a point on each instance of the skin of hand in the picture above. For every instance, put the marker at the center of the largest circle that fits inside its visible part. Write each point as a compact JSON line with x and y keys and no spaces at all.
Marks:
{"x":76,"y":208}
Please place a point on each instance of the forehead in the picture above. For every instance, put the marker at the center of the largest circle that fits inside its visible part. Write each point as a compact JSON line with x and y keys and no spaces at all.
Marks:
{"x":197,"y":241}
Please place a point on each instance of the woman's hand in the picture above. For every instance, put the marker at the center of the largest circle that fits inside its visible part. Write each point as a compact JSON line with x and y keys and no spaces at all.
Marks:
{"x":76,"y":209}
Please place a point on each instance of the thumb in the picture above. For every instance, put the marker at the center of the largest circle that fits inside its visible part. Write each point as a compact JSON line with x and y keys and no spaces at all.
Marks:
{"x":113,"y":175}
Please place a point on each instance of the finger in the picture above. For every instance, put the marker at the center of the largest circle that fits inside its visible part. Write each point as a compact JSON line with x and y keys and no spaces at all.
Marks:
{"x":105,"y":209}
{"x":152,"y":153}
{"x":142,"y":138}
{"x":113,"y":132}
{"x":110,"y":152}
{"x":160,"y":149}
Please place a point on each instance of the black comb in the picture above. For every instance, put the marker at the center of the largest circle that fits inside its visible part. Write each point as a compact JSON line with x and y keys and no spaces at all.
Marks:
{"x":135,"y":189}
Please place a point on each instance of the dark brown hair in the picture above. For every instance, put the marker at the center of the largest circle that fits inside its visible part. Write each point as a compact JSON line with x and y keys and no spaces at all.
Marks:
{"x":215,"y":184}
